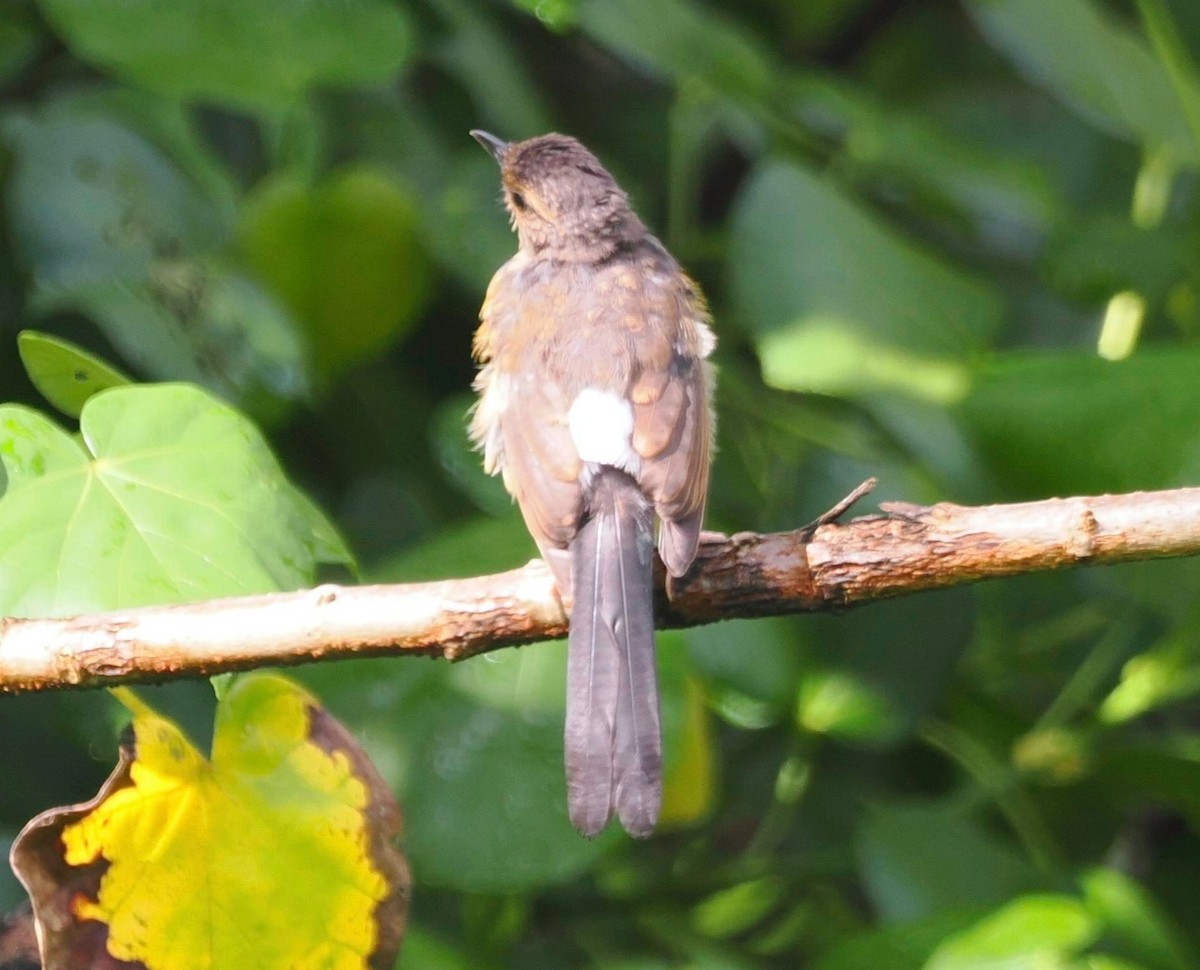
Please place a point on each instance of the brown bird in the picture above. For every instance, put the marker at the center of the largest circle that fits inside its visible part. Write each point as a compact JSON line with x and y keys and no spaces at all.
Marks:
{"x":594,"y":404}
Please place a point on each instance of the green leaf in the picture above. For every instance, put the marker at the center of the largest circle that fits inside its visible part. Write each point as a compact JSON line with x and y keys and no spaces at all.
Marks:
{"x":676,"y":37}
{"x":171,"y":127}
{"x":476,"y":50}
{"x":32,"y":447}
{"x":243,"y":52}
{"x":1170,"y":47}
{"x":1166,"y":673}
{"x":898,"y":946}
{"x":460,"y":461}
{"x":343,"y":255}
{"x":751,"y":666}
{"x":484,"y":794}
{"x":1008,"y":200}
{"x":841,"y":705}
{"x":1102,"y":69}
{"x":557,"y":15}
{"x":841,"y":304}
{"x":480,"y":545}
{"x":731,"y":911}
{"x":90,"y":200}
{"x":171,"y":496}
{"x":1102,"y":961}
{"x":1095,"y":256}
{"x":919,"y":859}
{"x":465,"y":225}
{"x":1131,"y":917}
{"x":690,"y":750}
{"x":1161,"y":775}
{"x":516,"y":680}
{"x":827,"y":356}
{"x":1030,"y":933}
{"x":18,"y":42}
{"x":701,"y":50}
{"x":1117,"y":426}
{"x":424,"y":951}
{"x":195,"y":320}
{"x":329,"y":546}
{"x":64,"y":374}
{"x":860,"y":682}
{"x":110,"y":227}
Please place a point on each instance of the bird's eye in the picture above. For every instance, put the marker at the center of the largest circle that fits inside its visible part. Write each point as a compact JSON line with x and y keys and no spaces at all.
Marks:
{"x":518,"y":200}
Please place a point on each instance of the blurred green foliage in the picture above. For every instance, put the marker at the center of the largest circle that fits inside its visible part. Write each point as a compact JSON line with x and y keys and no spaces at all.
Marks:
{"x":951,"y":243}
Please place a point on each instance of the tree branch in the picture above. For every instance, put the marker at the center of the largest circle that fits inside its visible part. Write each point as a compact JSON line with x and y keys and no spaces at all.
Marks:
{"x":826,"y":567}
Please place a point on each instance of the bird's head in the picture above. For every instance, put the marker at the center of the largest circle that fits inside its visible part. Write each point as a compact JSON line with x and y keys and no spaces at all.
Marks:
{"x":563,"y":202}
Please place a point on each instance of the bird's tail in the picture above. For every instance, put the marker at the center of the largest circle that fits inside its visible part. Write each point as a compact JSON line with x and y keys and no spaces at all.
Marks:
{"x":613,"y":737}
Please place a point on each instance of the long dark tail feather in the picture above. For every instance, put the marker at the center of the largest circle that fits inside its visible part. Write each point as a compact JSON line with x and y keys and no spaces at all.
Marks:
{"x":613,"y":738}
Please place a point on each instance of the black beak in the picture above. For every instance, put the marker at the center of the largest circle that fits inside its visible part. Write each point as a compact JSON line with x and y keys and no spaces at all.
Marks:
{"x":494,"y":145}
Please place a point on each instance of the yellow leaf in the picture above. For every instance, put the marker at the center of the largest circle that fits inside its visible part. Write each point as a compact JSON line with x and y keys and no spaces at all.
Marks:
{"x":688,"y":792}
{"x":276,"y":853}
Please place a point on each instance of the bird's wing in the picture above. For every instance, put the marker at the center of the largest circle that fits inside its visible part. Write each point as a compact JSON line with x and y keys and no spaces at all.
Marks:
{"x":541,"y":465}
{"x":673,"y":425}
{"x":521,"y":418}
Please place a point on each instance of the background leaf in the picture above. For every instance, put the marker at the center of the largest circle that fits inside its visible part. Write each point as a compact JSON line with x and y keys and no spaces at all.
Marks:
{"x":890,"y":317}
{"x":63,"y":373}
{"x":1028,"y":932}
{"x":1098,"y":66}
{"x":129,"y":239}
{"x":1118,"y":426}
{"x":924,"y":231}
{"x":257,"y":52}
{"x":343,"y":256}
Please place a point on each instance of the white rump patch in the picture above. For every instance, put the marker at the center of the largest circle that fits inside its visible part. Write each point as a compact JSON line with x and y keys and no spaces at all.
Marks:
{"x":601,"y":426}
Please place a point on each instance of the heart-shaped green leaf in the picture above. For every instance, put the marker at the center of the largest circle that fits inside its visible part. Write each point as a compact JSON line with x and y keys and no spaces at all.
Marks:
{"x":171,"y":496}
